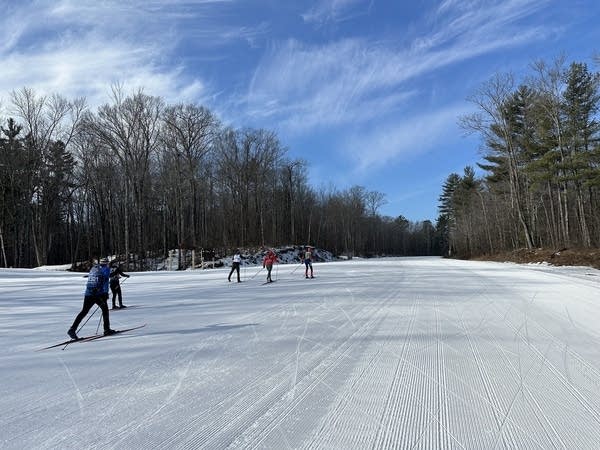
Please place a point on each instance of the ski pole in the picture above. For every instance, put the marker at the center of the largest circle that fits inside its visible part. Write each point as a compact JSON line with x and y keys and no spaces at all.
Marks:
{"x":86,"y":321}
{"x":257,"y":273}
{"x":297,"y":267}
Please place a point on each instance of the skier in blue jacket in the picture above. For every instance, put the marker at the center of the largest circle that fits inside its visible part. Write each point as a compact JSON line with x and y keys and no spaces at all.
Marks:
{"x":96,"y":293}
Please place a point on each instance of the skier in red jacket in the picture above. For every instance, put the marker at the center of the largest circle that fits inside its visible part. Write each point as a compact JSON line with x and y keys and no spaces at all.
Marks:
{"x":268,"y":261}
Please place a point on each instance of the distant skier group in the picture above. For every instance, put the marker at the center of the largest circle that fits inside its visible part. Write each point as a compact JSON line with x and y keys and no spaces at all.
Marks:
{"x":270,"y":258}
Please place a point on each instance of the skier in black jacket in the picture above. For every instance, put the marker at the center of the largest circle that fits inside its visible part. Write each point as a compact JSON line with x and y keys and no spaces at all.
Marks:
{"x":115,"y":273}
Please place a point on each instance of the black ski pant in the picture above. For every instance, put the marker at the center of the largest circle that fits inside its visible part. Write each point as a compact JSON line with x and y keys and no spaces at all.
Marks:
{"x":269,"y":268}
{"x":116,"y":291}
{"x":88,"y":302}
{"x":308,"y":264}
{"x":235,"y":266}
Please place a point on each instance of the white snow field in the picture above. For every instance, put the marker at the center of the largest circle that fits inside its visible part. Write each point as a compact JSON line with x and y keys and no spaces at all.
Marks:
{"x":371,"y":354}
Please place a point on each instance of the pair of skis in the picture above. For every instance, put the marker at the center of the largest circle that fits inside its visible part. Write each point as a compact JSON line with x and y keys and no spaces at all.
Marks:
{"x":91,"y":338}
{"x":269,"y":282}
{"x":273,"y":281}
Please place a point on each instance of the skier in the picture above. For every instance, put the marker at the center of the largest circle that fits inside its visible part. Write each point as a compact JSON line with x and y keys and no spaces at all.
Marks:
{"x":96,"y":293}
{"x":308,"y":261}
{"x":115,"y":287}
{"x":268,"y":261}
{"x":235,"y":265}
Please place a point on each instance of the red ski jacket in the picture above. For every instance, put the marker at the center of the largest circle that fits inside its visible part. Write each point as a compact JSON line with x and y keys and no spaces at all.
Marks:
{"x":269,"y":259}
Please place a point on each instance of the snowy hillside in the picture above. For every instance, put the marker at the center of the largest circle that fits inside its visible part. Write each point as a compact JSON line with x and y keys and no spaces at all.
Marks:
{"x":387,"y":353}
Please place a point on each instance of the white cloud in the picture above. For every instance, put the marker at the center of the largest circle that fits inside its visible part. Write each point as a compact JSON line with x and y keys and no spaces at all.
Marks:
{"x":330,"y":84}
{"x":89,"y":68}
{"x":80,"y":48}
{"x":402,"y":140}
{"x":478,"y":21}
{"x":333,"y":11}
{"x":364,"y":153}
{"x":302,"y":85}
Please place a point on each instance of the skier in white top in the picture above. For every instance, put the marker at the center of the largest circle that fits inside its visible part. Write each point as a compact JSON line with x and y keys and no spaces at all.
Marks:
{"x":235,"y":265}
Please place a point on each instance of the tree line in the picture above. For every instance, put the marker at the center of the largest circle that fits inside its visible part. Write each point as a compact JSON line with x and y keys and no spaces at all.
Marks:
{"x":541,"y":164}
{"x":138,"y":177}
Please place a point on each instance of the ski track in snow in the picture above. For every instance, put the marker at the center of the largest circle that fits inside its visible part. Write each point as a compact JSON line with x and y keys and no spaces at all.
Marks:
{"x":394,"y":353}
{"x":78,"y":395}
{"x":316,"y":380}
{"x":278,"y":388}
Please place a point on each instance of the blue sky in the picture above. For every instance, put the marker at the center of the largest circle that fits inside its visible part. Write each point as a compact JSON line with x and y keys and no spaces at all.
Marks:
{"x":368,"y":92}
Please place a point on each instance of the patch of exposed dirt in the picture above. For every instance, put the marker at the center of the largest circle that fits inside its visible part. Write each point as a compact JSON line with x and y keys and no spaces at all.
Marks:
{"x":589,"y":257}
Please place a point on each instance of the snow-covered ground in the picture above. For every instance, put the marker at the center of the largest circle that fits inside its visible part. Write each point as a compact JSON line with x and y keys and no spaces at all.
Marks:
{"x":387,"y":353}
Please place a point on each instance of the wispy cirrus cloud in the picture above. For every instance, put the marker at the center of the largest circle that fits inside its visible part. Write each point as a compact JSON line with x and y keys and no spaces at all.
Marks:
{"x":326,"y":11}
{"x":80,"y":48}
{"x":406,"y":139}
{"x":304,"y":85}
{"x":88,"y":68}
{"x":307,"y":86}
{"x":477,"y":21}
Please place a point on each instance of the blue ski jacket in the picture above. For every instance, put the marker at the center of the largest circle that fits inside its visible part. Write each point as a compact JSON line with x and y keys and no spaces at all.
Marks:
{"x":97,"y":282}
